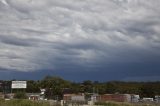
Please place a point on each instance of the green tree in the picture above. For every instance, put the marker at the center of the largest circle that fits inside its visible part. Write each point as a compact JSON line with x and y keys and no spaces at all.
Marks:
{"x":88,"y":86}
{"x":33,"y":86}
{"x":20,"y":95}
{"x":111,"y":87}
{"x":147,"y":90}
{"x":54,"y":86}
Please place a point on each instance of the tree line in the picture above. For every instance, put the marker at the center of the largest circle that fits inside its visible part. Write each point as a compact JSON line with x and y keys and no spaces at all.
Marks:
{"x":56,"y":87}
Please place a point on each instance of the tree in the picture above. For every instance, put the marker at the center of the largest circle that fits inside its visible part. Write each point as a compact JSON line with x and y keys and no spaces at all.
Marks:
{"x":54,"y":86}
{"x":33,"y":86}
{"x":20,"y":95}
{"x":88,"y":86}
{"x":111,"y":87}
{"x":147,"y":90}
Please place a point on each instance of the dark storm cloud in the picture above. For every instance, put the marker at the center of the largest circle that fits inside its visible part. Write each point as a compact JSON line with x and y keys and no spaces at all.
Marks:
{"x":80,"y":36}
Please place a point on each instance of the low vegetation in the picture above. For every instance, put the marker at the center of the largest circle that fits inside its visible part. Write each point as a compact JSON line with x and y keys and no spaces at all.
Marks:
{"x":20,"y":95}
{"x":123,"y":104}
{"x":22,"y":102}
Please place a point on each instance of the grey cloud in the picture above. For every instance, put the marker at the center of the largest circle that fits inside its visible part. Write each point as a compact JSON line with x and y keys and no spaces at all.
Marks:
{"x":52,"y":34}
{"x":14,"y":41}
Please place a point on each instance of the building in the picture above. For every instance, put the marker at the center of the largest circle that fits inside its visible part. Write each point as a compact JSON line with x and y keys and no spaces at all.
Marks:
{"x":1,"y":96}
{"x":114,"y":97}
{"x":147,"y":100}
{"x":135,"y":98}
{"x":35,"y":96}
{"x":157,"y":98}
{"x":73,"y":97}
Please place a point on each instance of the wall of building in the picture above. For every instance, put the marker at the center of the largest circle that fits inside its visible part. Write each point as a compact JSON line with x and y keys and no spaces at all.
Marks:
{"x":114,"y":97}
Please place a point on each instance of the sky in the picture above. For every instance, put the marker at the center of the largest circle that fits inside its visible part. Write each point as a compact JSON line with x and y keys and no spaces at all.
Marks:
{"x":80,"y":40}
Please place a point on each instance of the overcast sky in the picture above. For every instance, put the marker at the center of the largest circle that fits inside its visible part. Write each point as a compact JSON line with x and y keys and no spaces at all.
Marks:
{"x":80,"y":39}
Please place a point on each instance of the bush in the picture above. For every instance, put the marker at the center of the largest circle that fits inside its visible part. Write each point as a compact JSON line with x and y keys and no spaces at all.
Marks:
{"x":20,"y":95}
{"x":23,"y":102}
{"x":113,"y":104}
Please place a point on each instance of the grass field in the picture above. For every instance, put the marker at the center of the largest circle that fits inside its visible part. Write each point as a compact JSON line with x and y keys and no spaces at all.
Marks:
{"x":124,"y":104}
{"x":21,"y":102}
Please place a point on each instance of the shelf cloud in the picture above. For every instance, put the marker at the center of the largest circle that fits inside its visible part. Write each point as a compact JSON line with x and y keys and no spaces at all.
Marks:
{"x":80,"y":36}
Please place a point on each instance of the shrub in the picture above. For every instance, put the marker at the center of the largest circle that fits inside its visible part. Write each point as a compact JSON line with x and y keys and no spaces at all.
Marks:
{"x":112,"y":104}
{"x":20,"y":95}
{"x":23,"y":102}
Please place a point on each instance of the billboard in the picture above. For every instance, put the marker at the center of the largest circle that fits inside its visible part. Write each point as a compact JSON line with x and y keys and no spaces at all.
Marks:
{"x":19,"y":84}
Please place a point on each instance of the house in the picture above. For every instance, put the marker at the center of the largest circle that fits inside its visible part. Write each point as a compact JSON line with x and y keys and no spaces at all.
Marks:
{"x":157,"y":98}
{"x":147,"y":99}
{"x":114,"y":97}
{"x":1,"y":95}
{"x":35,"y":96}
{"x":73,"y":97}
{"x":135,"y":98}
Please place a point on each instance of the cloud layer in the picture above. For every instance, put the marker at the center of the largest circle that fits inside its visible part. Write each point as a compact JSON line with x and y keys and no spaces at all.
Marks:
{"x":79,"y":35}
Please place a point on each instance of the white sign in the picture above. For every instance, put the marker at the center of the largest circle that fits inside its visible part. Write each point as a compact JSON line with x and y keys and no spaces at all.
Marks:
{"x":19,"y":84}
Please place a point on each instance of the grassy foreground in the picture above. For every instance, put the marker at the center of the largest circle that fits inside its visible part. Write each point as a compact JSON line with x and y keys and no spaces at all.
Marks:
{"x":22,"y":102}
{"x":123,"y":104}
